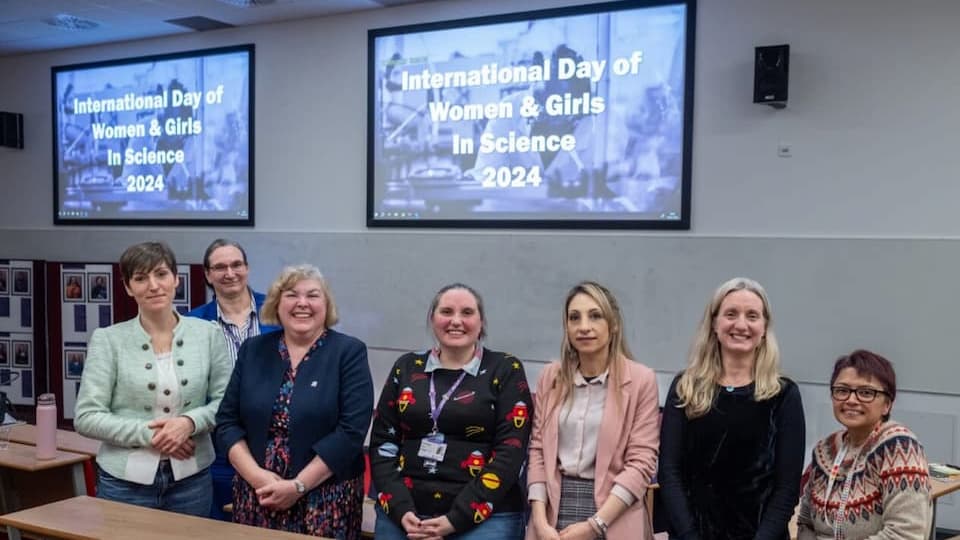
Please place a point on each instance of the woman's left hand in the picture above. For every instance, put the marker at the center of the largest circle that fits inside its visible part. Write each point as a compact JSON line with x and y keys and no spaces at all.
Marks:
{"x":580,"y":530}
{"x":169,"y":433}
{"x":185,"y":450}
{"x":279,"y":495}
{"x":438,"y":526}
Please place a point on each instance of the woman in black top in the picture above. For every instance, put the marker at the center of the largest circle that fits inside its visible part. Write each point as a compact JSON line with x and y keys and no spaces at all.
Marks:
{"x":732,"y":436}
{"x":450,"y":433}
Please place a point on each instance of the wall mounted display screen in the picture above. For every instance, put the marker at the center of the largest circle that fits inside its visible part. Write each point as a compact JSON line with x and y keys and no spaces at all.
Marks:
{"x":576,"y":117}
{"x":160,"y":139}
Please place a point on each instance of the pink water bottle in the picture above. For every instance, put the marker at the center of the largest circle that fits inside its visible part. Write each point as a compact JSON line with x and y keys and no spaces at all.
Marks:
{"x":47,"y":426}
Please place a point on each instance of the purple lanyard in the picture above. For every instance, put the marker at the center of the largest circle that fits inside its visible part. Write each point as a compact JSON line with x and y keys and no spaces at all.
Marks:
{"x":434,"y":408}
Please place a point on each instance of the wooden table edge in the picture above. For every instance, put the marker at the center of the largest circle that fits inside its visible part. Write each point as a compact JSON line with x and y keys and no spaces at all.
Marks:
{"x":940,"y":487}
{"x":63,"y":459}
{"x":25,"y":433}
{"x":34,"y":529}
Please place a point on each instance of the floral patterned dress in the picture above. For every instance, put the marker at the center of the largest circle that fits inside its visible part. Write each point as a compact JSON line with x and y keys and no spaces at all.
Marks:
{"x":331,"y":510}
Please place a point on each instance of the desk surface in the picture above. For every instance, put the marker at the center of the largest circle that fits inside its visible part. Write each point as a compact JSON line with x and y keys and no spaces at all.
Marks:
{"x":23,"y":457}
{"x":88,"y":518}
{"x":70,"y":441}
{"x":942,"y":486}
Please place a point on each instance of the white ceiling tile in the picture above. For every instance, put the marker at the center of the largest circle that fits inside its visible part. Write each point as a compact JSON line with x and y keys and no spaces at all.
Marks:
{"x":23,"y":30}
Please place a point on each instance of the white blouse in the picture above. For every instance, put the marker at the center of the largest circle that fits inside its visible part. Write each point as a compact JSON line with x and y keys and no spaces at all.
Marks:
{"x":142,"y":464}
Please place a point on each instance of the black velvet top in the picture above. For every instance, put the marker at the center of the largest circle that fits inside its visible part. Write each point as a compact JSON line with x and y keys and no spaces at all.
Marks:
{"x":733,"y":473}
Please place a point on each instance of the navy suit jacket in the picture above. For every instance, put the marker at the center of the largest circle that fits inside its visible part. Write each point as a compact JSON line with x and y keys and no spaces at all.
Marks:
{"x":208,"y":311}
{"x":330,"y":408}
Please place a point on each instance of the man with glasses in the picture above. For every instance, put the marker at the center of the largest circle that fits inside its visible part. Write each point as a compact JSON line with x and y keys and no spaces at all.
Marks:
{"x":236,"y":309}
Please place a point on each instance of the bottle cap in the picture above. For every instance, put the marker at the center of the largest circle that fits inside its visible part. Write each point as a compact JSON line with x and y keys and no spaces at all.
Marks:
{"x":47,"y":399}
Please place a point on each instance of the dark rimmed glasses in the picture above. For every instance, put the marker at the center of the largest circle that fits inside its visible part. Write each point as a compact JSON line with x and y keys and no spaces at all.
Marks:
{"x":865,"y":394}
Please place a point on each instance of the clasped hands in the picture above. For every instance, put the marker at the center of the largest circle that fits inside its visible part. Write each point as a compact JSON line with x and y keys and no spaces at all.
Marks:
{"x":426,"y":529}
{"x":171,"y":436}
{"x":273,"y":492}
{"x":581,"y":530}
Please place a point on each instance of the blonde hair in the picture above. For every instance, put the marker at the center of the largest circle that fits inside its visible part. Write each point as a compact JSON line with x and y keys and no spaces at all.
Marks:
{"x":618,"y":351}
{"x":697,"y":387}
{"x":288,"y":279}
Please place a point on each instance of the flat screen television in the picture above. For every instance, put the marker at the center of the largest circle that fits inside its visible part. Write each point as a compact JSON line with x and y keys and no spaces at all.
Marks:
{"x":577,"y":117}
{"x":164,"y":139}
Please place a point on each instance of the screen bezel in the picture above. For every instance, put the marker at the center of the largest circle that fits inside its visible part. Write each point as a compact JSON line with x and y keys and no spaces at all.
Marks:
{"x":683,"y":223}
{"x":247,"y":221}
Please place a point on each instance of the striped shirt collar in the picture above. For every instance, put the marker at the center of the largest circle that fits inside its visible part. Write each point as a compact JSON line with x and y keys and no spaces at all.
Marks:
{"x":253,"y":310}
{"x":235,"y":335}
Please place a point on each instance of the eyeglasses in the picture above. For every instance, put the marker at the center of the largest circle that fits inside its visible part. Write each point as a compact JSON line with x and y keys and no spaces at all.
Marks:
{"x":236,"y":266}
{"x":865,"y":394}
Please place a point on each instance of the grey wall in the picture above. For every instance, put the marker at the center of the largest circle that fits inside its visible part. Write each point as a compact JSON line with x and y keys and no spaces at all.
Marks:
{"x":854,"y":236}
{"x":829,"y":295}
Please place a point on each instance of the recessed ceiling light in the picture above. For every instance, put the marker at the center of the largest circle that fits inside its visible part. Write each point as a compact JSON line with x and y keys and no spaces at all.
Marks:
{"x":71,"y":22}
{"x":200,"y":24}
{"x":247,"y":3}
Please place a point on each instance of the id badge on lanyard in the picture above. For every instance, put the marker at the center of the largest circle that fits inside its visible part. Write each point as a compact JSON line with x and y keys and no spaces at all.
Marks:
{"x":432,"y":447}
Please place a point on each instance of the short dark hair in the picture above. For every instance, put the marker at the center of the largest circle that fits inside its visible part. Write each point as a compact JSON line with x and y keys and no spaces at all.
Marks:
{"x":219,"y":243}
{"x":869,"y":364}
{"x":144,"y":257}
{"x":476,"y":296}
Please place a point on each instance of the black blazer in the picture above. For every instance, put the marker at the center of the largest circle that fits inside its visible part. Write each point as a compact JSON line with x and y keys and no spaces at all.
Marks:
{"x":330,"y":408}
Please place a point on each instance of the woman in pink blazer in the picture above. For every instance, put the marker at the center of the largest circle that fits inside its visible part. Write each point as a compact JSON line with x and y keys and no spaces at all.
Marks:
{"x":593,"y":450}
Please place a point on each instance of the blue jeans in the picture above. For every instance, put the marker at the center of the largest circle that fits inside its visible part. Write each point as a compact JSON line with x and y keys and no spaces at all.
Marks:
{"x":191,"y":495}
{"x":499,"y":526}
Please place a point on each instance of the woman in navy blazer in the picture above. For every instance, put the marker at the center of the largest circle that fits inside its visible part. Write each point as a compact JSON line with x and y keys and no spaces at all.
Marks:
{"x":295,"y":415}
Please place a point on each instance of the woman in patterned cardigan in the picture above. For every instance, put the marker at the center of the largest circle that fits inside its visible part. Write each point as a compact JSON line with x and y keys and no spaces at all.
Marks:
{"x":869,"y":480}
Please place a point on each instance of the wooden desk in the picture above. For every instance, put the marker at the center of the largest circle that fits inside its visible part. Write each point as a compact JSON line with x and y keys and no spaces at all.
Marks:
{"x":943,"y":486}
{"x":26,"y":481}
{"x":938,"y":488}
{"x":88,"y":518}
{"x":23,"y":457}
{"x":70,"y":441}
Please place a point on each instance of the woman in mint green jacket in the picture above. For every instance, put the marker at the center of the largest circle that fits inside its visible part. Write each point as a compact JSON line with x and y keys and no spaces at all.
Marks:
{"x":150,"y":390}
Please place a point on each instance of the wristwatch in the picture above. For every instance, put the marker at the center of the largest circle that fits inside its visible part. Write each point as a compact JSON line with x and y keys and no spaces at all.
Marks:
{"x":301,"y":489}
{"x":601,"y":524}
